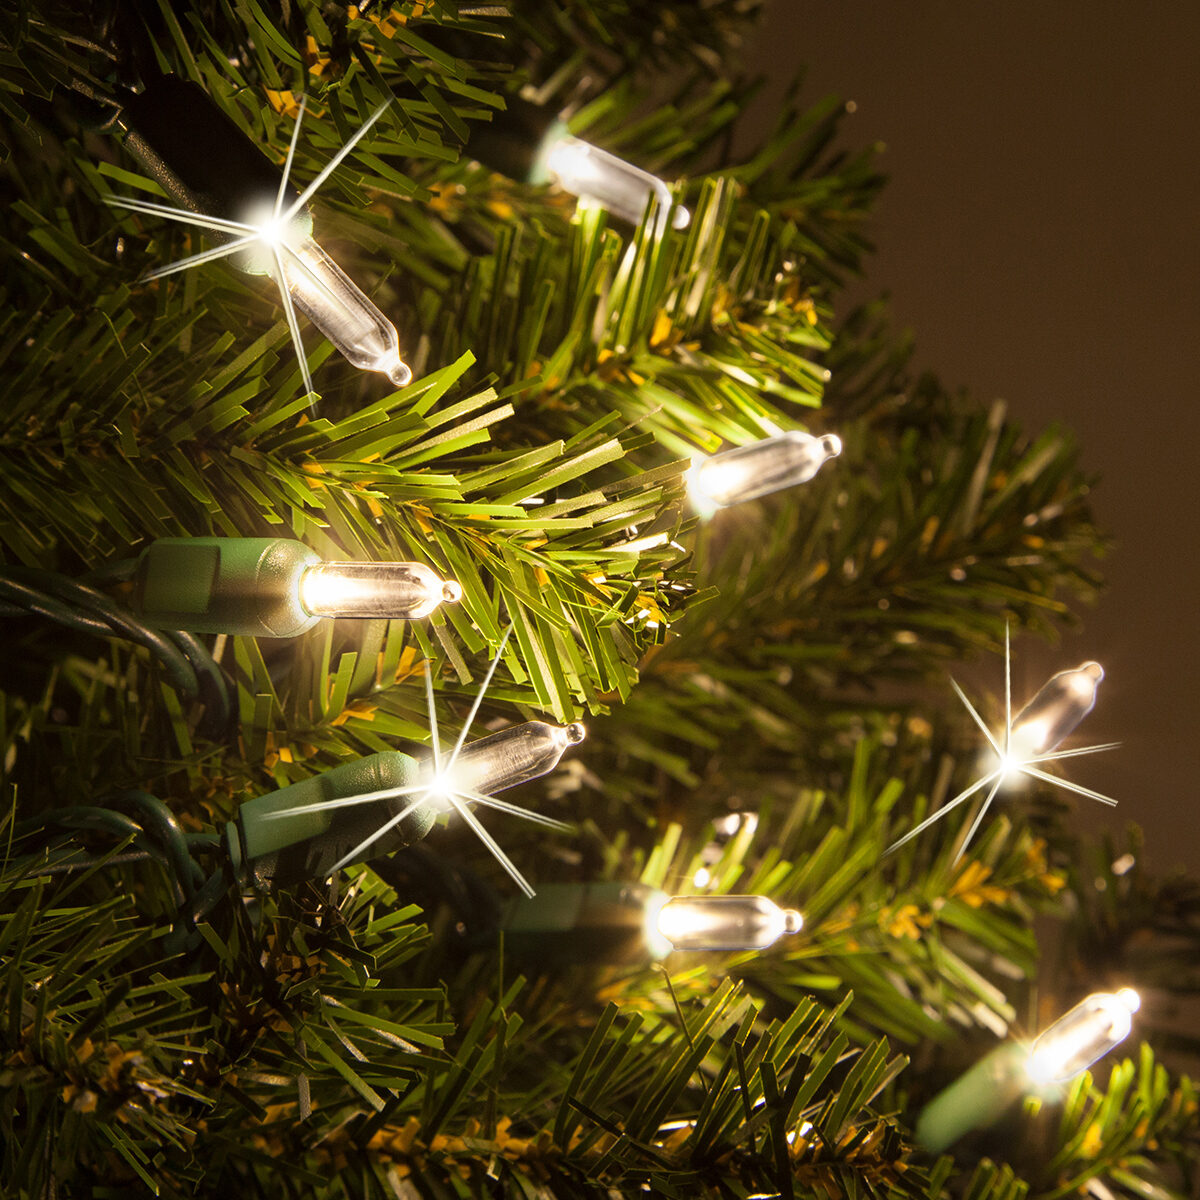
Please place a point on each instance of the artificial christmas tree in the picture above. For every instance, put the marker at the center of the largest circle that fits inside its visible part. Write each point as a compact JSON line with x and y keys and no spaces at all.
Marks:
{"x":764,"y":686}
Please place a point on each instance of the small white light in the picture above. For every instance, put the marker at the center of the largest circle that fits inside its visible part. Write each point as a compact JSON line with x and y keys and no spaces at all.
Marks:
{"x":442,"y":787}
{"x":763,"y":467}
{"x":514,"y":755}
{"x":1086,"y":1033}
{"x":374,"y":589}
{"x":272,"y":239}
{"x":1055,"y":711}
{"x":619,"y":187}
{"x":1010,"y":766}
{"x":717,"y":923}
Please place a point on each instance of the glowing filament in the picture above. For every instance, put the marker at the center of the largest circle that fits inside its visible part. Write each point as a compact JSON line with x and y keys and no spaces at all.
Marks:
{"x":1087,"y":1033}
{"x":717,"y":923}
{"x":747,"y":472}
{"x":624,"y":190}
{"x":374,"y":589}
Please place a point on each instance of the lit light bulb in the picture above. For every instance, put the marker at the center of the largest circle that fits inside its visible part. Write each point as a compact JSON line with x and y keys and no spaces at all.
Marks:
{"x":505,"y":759}
{"x":1087,"y":1033}
{"x":717,"y":923}
{"x":747,"y":472}
{"x":593,"y":174}
{"x":1054,"y":712}
{"x":323,"y":292}
{"x":219,"y":180}
{"x":274,"y":587}
{"x":407,"y":590}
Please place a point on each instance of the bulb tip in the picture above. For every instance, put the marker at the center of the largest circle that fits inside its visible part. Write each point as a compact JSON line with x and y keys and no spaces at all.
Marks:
{"x":681,"y":218}
{"x":575,"y":733}
{"x":1094,"y":669}
{"x":400,"y":373}
{"x":832,"y":445}
{"x":793,"y":920}
{"x":451,"y":591}
{"x":1130,"y":999}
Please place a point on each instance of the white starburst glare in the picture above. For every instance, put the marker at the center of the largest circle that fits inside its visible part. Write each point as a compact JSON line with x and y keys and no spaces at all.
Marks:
{"x":276,"y":240}
{"x":1018,"y":751}
{"x":443,"y":791}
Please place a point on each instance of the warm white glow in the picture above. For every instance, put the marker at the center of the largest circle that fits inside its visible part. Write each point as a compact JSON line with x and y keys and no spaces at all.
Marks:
{"x":1028,"y":740}
{"x":1055,"y":711}
{"x":1088,"y":1032}
{"x":500,"y":761}
{"x":657,"y":942}
{"x":763,"y":467}
{"x":717,"y":923}
{"x":271,"y":239}
{"x":374,"y":589}
{"x":735,"y":824}
{"x":514,"y":755}
{"x":271,"y":230}
{"x":1010,"y":766}
{"x":624,"y":190}
{"x":442,"y":786}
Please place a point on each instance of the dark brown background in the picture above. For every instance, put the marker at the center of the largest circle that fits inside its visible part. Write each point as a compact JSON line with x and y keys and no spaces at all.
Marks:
{"x":1040,"y":235}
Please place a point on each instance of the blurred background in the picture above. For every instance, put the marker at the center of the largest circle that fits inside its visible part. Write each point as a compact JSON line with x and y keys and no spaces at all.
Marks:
{"x":1039,"y":234}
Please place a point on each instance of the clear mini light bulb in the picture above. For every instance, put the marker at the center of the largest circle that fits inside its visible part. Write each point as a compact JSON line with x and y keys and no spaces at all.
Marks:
{"x":1087,"y":1033}
{"x":619,"y":187}
{"x":275,"y":587}
{"x":747,"y":472}
{"x":407,"y":590}
{"x":717,"y":923}
{"x":324,"y":293}
{"x":1055,"y":711}
{"x":218,"y":179}
{"x":514,"y":755}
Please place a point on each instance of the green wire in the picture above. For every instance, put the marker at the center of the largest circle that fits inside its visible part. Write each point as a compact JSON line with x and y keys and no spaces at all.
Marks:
{"x":161,"y":838}
{"x":191,"y":647}
{"x":207,"y":668}
{"x":185,"y":657}
{"x":171,"y":837}
{"x":35,"y":599}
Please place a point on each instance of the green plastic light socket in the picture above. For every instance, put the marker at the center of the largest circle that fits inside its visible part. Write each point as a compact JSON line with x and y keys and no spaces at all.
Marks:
{"x":225,"y":585}
{"x":305,"y":844}
{"x":974,"y":1100}
{"x":581,"y":922}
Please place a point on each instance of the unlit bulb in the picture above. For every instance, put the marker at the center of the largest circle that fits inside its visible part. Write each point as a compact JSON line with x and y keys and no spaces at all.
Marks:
{"x":321,"y":290}
{"x":747,"y":472}
{"x":1088,"y":1032}
{"x":512,"y":756}
{"x":717,"y":923}
{"x":374,"y":589}
{"x":619,"y":187}
{"x":1055,"y":711}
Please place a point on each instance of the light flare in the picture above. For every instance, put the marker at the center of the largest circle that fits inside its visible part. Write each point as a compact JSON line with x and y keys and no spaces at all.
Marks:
{"x":449,"y":789}
{"x":1027,"y":740}
{"x":276,"y":240}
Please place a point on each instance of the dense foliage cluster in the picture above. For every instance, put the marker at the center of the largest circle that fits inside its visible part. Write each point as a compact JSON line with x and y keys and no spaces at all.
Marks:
{"x":368,"y":1035}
